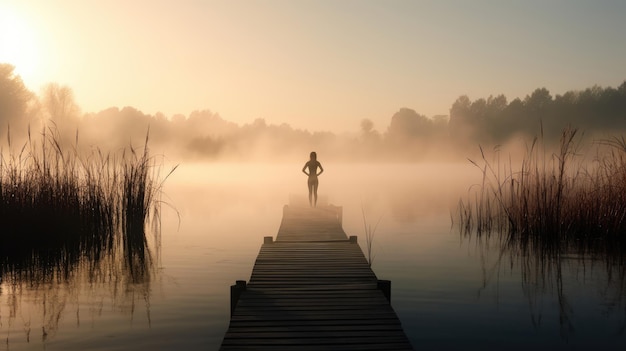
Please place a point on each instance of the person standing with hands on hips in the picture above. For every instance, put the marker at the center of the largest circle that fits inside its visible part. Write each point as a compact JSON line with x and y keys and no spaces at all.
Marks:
{"x":312,"y":165}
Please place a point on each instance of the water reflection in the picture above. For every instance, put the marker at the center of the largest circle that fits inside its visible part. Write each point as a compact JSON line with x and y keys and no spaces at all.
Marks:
{"x":226,"y":210}
{"x":435,"y":279}
{"x":71,"y":281}
{"x":559,"y":221}
{"x":564,"y":271}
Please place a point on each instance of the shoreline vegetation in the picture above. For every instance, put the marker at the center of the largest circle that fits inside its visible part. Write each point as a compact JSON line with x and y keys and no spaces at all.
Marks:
{"x":553,"y":200}
{"x":61,"y":208}
{"x":73,"y":220}
{"x":552,"y":209}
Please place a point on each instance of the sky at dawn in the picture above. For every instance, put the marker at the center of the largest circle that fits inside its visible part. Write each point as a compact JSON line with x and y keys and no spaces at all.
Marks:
{"x":317,"y":65}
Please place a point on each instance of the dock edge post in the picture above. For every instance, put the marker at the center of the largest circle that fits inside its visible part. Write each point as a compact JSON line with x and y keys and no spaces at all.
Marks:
{"x":268,"y":240}
{"x":235,"y":293}
{"x":353,"y":239}
{"x":385,"y":287}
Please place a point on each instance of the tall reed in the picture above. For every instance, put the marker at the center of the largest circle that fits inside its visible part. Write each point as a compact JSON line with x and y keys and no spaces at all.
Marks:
{"x":370,"y":232}
{"x":59,"y":205}
{"x":552,"y":208}
{"x":552,"y":202}
{"x":72,"y":219}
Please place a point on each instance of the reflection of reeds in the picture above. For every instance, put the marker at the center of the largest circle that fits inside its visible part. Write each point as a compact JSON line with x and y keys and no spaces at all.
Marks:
{"x":70,"y":218}
{"x":549,"y":211}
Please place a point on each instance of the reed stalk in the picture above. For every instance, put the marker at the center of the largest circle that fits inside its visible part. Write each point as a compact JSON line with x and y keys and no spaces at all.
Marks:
{"x":370,"y":232}
{"x":551,"y":200}
{"x":553,"y":208}
{"x":59,"y":205}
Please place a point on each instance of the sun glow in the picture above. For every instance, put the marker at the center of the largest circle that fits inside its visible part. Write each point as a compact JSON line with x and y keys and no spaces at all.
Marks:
{"x":18,"y":44}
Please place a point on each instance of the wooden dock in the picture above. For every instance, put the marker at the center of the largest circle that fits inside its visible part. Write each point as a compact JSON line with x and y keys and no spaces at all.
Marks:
{"x":312,"y":289}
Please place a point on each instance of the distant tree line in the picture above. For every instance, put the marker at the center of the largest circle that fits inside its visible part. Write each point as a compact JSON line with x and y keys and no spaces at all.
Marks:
{"x":494,"y":120}
{"x":410,"y":136}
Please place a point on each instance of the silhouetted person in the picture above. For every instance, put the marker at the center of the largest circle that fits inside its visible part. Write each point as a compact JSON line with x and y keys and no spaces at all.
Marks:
{"x":312,"y":165}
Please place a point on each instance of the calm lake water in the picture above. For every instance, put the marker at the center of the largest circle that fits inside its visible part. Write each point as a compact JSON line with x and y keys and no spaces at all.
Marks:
{"x":448,"y":293}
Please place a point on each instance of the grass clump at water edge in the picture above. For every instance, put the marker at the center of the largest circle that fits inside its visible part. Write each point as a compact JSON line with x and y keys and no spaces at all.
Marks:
{"x":554,"y":209}
{"x":59,"y":206}
{"x":552,"y":202}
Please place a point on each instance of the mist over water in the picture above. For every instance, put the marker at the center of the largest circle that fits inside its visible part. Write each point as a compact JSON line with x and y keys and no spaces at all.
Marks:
{"x":259,"y":112}
{"x":447,"y":291}
{"x":228,"y":192}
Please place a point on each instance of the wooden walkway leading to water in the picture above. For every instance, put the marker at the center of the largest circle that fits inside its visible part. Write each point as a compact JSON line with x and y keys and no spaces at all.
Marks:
{"x":312,"y":289}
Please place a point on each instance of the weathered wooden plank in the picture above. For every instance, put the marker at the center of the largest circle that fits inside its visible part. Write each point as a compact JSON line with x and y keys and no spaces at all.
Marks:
{"x":281,"y":306}
{"x":311,"y":323}
{"x":319,"y":338}
{"x":253,"y":292}
{"x":298,"y":313}
{"x":306,"y":328}
{"x":283,"y":340}
{"x":312,"y":289}
{"x":361,"y":347}
{"x":296,"y":318}
{"x":314,"y":301}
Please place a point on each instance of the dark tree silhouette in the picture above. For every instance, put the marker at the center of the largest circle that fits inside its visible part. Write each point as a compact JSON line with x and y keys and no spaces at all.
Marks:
{"x":14,"y":99}
{"x":594,"y":110}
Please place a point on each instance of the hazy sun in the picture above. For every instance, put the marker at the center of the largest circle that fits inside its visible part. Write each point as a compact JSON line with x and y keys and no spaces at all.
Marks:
{"x":18,"y":45}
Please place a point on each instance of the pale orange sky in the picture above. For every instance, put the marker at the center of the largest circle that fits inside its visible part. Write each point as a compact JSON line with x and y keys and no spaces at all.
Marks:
{"x":318,"y":65}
